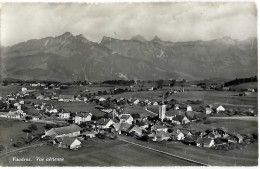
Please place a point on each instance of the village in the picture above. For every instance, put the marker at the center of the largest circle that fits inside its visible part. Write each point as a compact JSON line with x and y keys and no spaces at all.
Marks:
{"x":127,"y":118}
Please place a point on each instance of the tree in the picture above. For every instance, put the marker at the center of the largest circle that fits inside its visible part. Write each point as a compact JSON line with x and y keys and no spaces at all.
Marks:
{"x":32,"y":127}
{"x":48,"y":126}
{"x":1,"y":148}
{"x":27,"y":131}
{"x":83,"y":125}
{"x":94,"y":117}
{"x":100,"y":92}
{"x":28,"y":118}
{"x":136,"y":115}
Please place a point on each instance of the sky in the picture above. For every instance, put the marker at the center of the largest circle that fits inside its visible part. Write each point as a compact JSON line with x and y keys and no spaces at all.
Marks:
{"x":179,"y":21}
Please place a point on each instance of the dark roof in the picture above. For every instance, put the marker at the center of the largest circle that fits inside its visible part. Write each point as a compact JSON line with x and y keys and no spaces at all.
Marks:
{"x":103,"y":121}
{"x":125,"y":116}
{"x":185,"y":132}
{"x":67,"y":129}
{"x":157,"y":126}
{"x":162,"y":134}
{"x":204,"y":140}
{"x":175,"y":112}
{"x":136,"y":129}
{"x":126,"y":127}
{"x":116,"y":126}
{"x":218,"y":141}
{"x":88,"y":132}
{"x":68,"y":140}
{"x":178,"y":118}
{"x":83,"y":114}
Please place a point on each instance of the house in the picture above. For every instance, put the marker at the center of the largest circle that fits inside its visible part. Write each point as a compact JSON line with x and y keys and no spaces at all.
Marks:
{"x":251,"y":90}
{"x":66,"y":98}
{"x":35,"y":84}
{"x":189,"y":108}
{"x":125,"y":128}
{"x":82,"y":117}
{"x":212,"y":135}
{"x":137,"y":130}
{"x":126,"y":118}
{"x":210,"y":106}
{"x":35,"y":118}
{"x":21,"y":102}
{"x":191,"y":140}
{"x":205,"y":142}
{"x":151,"y":89}
{"x":24,"y":89}
{"x":220,"y":109}
{"x":68,"y":142}
{"x":143,"y":125}
{"x":50,"y":109}
{"x":176,"y":107}
{"x":238,"y":137}
{"x":223,"y":131}
{"x":178,"y":135}
{"x":159,"y":127}
{"x":226,"y":88}
{"x":101,"y":99}
{"x":13,"y":115}
{"x":117,"y":127}
{"x":160,"y":136}
{"x":47,"y":98}
{"x":155,"y":103}
{"x":104,"y":123}
{"x":208,"y":110}
{"x":70,"y":131}
{"x":180,"y":119}
{"x":186,"y":133}
{"x":63,"y":115}
{"x":172,"y":113}
{"x":40,"y":97}
{"x":136,"y":102}
{"x":90,"y":134}
{"x":219,"y":141}
{"x":54,"y":97}
{"x":193,"y":115}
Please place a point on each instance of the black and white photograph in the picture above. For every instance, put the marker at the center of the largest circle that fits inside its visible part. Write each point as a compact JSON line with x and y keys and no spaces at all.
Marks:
{"x":129,"y":84}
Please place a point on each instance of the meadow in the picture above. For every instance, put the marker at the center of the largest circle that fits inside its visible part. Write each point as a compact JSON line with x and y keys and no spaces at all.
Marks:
{"x":95,"y":152}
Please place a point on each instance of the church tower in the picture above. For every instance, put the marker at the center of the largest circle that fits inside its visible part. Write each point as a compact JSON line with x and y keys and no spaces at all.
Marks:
{"x":162,"y":110}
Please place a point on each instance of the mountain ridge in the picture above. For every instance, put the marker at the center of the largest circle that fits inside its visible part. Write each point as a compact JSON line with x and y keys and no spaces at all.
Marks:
{"x":69,"y":57}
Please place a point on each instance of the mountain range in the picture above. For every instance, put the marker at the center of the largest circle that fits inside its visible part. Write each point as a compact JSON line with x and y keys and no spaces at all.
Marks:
{"x":69,"y":58}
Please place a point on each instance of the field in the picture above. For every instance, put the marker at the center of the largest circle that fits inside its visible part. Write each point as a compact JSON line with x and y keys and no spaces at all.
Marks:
{"x":71,"y":106}
{"x":95,"y":152}
{"x":239,"y":126}
{"x":11,"y":130}
{"x":5,"y":90}
{"x":252,"y":85}
{"x":99,"y":152}
{"x":226,"y":98}
{"x":246,"y":157}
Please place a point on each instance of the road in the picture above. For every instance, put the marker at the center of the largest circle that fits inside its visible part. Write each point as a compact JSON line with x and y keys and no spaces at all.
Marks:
{"x":150,"y":111}
{"x":163,"y":152}
{"x":248,"y":118}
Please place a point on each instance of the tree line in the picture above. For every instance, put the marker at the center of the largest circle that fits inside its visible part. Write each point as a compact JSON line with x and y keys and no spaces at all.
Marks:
{"x":242,"y":80}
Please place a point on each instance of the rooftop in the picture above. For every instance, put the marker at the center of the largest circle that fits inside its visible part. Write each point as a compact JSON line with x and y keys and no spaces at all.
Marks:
{"x":67,"y":129}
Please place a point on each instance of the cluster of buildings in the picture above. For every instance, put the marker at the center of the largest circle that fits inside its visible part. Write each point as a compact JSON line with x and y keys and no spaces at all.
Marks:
{"x":155,"y":129}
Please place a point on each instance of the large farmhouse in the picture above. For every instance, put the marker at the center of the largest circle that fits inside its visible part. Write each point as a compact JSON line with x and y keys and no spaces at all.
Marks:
{"x":66,"y":98}
{"x":70,"y":131}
